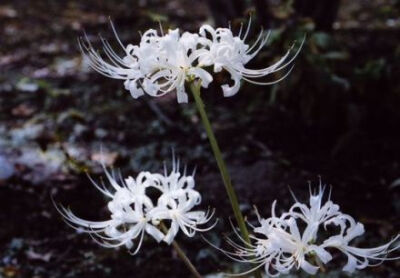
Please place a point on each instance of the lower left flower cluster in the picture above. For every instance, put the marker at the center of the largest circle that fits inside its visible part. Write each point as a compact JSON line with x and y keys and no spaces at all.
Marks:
{"x":155,"y":204}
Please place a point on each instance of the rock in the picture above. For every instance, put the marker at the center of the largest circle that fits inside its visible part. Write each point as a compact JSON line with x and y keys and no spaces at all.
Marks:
{"x":6,"y":168}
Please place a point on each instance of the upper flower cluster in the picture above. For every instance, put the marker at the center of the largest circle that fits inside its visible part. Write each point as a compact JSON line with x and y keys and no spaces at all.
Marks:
{"x":163,"y":63}
{"x":134,"y":213}
{"x":295,"y":240}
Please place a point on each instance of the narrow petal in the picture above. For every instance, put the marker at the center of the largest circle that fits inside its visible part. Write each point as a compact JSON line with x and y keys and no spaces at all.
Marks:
{"x":232,"y":90}
{"x":154,"y":232}
{"x":173,"y":230}
{"x":309,"y":268}
{"x":203,"y":75}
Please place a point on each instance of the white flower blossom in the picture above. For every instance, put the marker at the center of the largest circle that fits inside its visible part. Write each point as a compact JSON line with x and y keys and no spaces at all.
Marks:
{"x":133,"y":213}
{"x":157,"y":66}
{"x":164,"y":63}
{"x":295,"y":240}
{"x":177,"y":201}
{"x":229,"y":52}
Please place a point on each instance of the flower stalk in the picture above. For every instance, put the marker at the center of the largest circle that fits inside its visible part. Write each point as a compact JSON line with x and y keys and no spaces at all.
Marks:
{"x":182,"y":254}
{"x":195,"y":89}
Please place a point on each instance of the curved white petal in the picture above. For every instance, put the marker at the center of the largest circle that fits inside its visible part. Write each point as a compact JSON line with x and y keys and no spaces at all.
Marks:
{"x":154,"y":232}
{"x":232,"y":90}
{"x":203,"y":75}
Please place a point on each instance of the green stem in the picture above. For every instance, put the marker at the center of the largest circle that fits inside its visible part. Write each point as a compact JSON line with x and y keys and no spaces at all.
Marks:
{"x":182,"y":254}
{"x":195,"y":88}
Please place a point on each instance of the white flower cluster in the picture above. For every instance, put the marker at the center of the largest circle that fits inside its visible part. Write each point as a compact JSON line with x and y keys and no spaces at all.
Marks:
{"x":133,"y":212}
{"x":295,"y":240}
{"x":161,"y":64}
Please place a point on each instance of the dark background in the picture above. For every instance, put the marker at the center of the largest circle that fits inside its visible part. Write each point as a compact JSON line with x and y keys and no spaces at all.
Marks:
{"x":336,"y":117}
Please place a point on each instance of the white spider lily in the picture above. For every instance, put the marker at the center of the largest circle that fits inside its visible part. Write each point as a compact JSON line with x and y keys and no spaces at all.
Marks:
{"x":293,"y":248}
{"x":157,"y":66}
{"x":181,"y":216}
{"x":133,"y":213}
{"x":316,"y":213}
{"x":229,"y":52}
{"x":283,"y":245}
{"x":177,"y":201}
{"x":164,"y":63}
{"x":175,"y":184}
{"x":280,"y":248}
{"x":128,"y":221}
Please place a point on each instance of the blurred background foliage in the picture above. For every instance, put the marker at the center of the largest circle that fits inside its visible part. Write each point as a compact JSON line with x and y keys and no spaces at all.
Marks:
{"x":335,"y":117}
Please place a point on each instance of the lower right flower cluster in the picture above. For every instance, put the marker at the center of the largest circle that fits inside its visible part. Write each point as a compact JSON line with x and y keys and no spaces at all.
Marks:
{"x":305,"y":238}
